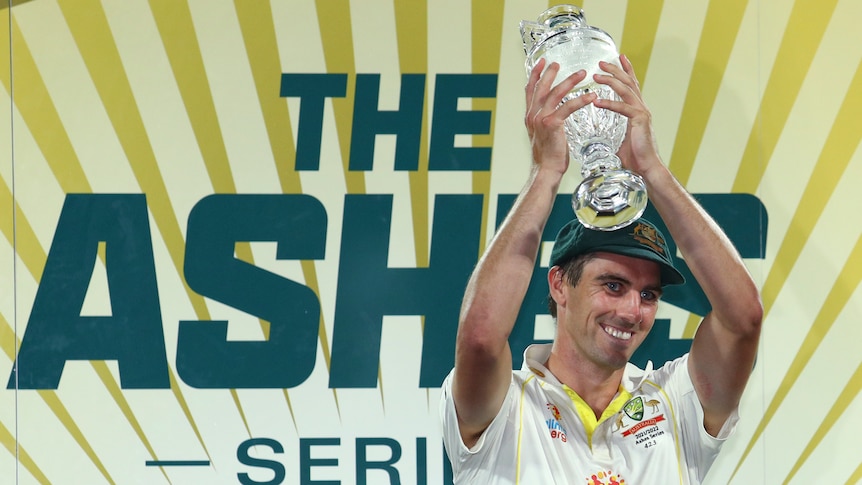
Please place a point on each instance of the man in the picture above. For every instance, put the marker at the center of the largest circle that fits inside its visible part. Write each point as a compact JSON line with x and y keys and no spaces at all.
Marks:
{"x":578,"y":412}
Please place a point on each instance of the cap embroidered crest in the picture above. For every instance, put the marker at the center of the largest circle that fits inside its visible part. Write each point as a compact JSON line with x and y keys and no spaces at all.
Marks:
{"x":649,"y":236}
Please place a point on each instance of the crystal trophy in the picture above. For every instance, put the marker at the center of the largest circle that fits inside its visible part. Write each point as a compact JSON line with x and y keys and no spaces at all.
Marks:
{"x":609,"y":197}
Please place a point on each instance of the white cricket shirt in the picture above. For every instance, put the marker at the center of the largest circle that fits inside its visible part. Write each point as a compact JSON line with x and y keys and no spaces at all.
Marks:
{"x":650,"y":434}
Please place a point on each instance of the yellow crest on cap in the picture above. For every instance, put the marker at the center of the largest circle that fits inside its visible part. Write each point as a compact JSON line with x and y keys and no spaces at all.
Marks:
{"x":648,"y":236}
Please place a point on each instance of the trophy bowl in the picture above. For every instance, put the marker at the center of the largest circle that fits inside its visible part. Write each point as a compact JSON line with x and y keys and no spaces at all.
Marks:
{"x":609,"y":197}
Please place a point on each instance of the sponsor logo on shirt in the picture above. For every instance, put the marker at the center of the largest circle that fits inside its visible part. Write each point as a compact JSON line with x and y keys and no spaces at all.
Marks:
{"x":606,"y":478}
{"x":556,"y":429}
{"x":645,"y":431}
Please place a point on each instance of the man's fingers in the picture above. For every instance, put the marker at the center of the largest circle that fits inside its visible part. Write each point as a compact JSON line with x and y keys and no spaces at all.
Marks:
{"x":627,"y":67}
{"x":561,"y":90}
{"x":625,"y":75}
{"x":535,"y":73}
{"x":575,"y":104}
{"x":543,"y":87}
{"x":545,"y":104}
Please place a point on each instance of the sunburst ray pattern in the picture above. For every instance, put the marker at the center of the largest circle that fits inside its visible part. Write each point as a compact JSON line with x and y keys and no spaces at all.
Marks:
{"x":181,"y":100}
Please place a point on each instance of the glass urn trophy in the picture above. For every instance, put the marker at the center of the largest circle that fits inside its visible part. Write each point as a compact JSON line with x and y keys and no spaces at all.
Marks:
{"x":609,"y":197}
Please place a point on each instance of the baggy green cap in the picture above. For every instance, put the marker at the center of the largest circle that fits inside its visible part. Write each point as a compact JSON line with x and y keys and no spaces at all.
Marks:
{"x":641,"y":239}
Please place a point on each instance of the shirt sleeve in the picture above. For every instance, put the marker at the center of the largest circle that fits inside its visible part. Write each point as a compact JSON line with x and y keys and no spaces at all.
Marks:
{"x":483,"y":454}
{"x":700,"y":448}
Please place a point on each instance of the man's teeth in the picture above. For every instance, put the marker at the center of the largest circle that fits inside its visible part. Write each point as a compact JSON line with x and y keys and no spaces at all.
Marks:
{"x":613,"y":332}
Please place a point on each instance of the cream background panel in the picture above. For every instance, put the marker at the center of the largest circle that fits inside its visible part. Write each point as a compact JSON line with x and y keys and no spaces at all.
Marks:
{"x":809,"y":124}
{"x":665,"y":85}
{"x":300,"y":50}
{"x":75,"y":97}
{"x":734,"y":111}
{"x":751,"y":408}
{"x":101,"y":421}
{"x":8,"y":409}
{"x":399,"y":408}
{"x":819,"y":263}
{"x":834,"y":455}
{"x":822,"y":381}
{"x":511,"y":161}
{"x":8,"y":401}
{"x":235,"y":97}
{"x":159,"y":103}
{"x":51,"y":447}
{"x":795,"y":309}
{"x":449,"y":52}
{"x":608,"y":15}
{"x":34,"y":186}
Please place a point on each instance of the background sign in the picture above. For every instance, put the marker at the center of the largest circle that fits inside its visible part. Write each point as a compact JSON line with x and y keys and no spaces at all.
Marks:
{"x":236,"y":234}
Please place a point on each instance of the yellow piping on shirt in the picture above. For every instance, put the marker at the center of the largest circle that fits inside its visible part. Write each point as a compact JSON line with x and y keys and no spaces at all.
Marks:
{"x":521,"y":429}
{"x":676,"y":439}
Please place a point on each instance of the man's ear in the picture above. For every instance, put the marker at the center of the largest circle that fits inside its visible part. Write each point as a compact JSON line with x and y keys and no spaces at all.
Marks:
{"x":556,"y":284}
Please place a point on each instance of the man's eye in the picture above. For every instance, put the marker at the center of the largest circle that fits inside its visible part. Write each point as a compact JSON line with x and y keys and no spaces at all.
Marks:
{"x":613,"y":285}
{"x":649,"y":295}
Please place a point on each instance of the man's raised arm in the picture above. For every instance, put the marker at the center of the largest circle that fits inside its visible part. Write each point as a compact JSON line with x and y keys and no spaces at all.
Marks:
{"x":725,"y":345}
{"x":483,"y":360}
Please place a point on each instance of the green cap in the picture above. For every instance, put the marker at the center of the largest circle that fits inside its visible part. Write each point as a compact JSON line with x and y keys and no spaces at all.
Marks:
{"x":641,"y":239}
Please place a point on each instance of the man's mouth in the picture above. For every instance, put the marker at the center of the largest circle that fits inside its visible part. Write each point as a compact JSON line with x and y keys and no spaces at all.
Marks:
{"x":617,"y":333}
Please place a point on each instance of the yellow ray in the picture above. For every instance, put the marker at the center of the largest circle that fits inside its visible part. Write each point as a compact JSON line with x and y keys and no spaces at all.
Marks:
{"x":848,"y":394}
{"x":29,"y":250}
{"x":21,"y":235}
{"x":174,"y":21}
{"x":10,"y":344}
{"x":177,"y":31}
{"x":639,"y":32}
{"x":337,"y":35}
{"x":717,"y":38}
{"x":42,"y":118}
{"x":856,"y":476}
{"x":11,"y":444}
{"x":89,"y":27}
{"x":411,"y":28}
{"x":487,"y":30}
{"x":839,"y":295}
{"x":808,"y":22}
{"x":837,"y":152}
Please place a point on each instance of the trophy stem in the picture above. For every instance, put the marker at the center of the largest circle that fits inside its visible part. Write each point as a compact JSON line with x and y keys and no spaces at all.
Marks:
{"x":598,"y":157}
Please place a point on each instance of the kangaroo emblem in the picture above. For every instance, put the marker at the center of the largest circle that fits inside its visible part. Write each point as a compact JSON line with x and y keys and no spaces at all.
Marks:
{"x":618,"y":425}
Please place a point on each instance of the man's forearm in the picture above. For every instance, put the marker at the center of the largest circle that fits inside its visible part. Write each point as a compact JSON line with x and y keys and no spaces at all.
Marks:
{"x":708,"y":252}
{"x":501,"y":278}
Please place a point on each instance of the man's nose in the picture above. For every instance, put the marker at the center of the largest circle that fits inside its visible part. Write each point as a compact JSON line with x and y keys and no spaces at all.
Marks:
{"x":630,"y":309}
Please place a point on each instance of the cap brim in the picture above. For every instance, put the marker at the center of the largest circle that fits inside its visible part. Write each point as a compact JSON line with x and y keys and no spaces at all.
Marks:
{"x":669,"y":274}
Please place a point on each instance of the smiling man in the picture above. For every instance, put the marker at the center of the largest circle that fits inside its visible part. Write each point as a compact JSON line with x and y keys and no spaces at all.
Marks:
{"x":578,"y":411}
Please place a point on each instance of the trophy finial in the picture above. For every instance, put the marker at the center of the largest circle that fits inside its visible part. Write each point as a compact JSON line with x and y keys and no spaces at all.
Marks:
{"x":551,"y":21}
{"x":563,"y":16}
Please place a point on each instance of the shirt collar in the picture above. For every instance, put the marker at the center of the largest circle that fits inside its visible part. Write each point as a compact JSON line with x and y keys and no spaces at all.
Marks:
{"x":536,"y":355}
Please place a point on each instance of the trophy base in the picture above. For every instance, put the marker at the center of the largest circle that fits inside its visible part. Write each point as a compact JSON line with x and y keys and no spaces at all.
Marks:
{"x":610,"y":200}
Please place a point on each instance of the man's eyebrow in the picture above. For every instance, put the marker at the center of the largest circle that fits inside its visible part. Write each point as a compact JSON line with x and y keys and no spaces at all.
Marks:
{"x":613,"y":277}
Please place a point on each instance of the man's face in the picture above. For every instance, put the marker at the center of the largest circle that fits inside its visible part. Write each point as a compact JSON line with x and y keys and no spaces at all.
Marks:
{"x":607,"y":315}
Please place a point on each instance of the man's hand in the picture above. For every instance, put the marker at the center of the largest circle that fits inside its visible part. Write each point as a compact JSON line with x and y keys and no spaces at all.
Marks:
{"x":639,"y":151}
{"x":545,"y":116}
{"x":725,"y":344}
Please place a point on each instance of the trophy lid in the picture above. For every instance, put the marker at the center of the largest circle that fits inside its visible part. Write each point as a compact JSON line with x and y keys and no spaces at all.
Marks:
{"x":550,"y":22}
